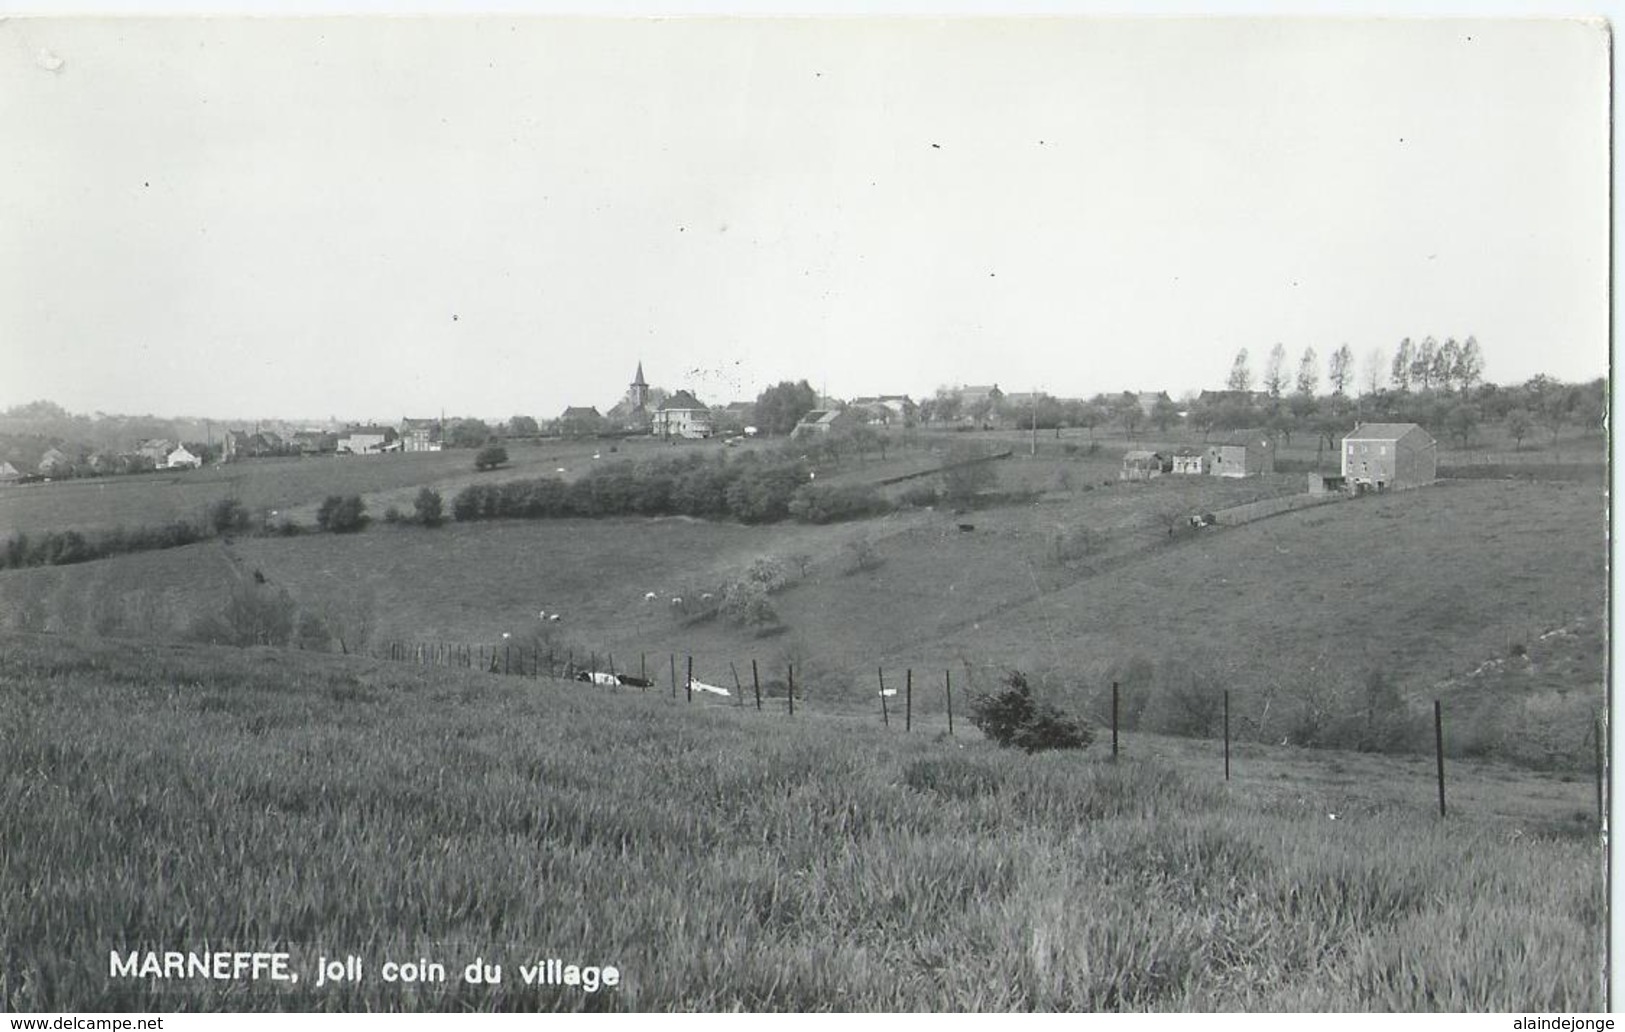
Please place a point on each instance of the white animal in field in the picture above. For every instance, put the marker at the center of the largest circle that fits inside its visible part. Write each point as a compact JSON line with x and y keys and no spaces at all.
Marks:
{"x":554,"y":617}
{"x":648,"y":596}
{"x":597,"y":677}
{"x":677,"y":602}
{"x":889,"y":692}
{"x":701,"y":686}
{"x":705,"y":597}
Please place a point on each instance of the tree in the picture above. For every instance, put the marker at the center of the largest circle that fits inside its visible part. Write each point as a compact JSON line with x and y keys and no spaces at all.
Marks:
{"x":1308,"y":373}
{"x":228,"y":515}
{"x":490,"y":457}
{"x":1469,"y":368}
{"x":468,"y":433}
{"x":966,"y":473}
{"x":1013,"y":718}
{"x":1275,"y":371}
{"x":1404,"y":359}
{"x":780,"y":407}
{"x":1164,"y":412}
{"x":1241,"y":374}
{"x":1445,"y":363}
{"x":523,"y":426}
{"x":1425,"y":363}
{"x":1340,"y":369}
{"x":1462,"y":421}
{"x":1126,"y":407}
{"x":428,"y":507}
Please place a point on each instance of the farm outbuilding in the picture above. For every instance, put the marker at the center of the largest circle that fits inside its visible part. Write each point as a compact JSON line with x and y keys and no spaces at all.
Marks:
{"x":1190,"y":462}
{"x":1142,"y":465}
{"x":9,"y":474}
{"x":1242,"y":453}
{"x":1386,"y":456}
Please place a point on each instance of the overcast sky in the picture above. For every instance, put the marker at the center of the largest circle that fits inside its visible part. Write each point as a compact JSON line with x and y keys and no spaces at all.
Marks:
{"x":386,"y":217}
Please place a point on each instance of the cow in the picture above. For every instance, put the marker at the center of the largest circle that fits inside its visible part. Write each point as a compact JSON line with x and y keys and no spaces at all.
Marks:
{"x":649,"y":596}
{"x":701,"y":686}
{"x":596,"y":677}
{"x":634,"y":682}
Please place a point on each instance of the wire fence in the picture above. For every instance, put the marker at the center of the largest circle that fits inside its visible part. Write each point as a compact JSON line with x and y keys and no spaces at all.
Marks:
{"x":900,"y":704}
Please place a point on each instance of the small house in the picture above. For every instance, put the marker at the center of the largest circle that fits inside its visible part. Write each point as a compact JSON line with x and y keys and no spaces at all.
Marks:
{"x":9,"y":474}
{"x":421,"y":435}
{"x":368,"y":440}
{"x":1143,"y":465}
{"x":181,"y":458}
{"x":823,"y":421}
{"x":579,"y":421}
{"x":1189,"y":462}
{"x":1387,"y":456}
{"x":1242,"y":453}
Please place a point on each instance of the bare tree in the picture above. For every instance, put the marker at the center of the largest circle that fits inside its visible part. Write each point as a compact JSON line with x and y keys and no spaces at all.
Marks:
{"x":1241,"y":374}
{"x":1275,"y":371}
{"x":1340,"y":369}
{"x":1308,"y":373}
{"x":1404,"y":359}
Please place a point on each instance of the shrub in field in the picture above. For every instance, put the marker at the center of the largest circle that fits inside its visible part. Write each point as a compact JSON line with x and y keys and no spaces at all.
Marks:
{"x":1012,"y":717}
{"x":920,"y":496}
{"x":392,"y":515}
{"x":861,"y":555}
{"x":342,"y":514}
{"x":427,"y":507}
{"x":747,"y":603}
{"x":228,"y":515}
{"x":822,"y":504}
{"x":966,"y":473}
{"x":490,"y":457}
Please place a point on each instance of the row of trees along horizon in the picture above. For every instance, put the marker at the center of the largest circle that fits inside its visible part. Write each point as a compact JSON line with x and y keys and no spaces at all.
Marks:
{"x":1440,"y":386}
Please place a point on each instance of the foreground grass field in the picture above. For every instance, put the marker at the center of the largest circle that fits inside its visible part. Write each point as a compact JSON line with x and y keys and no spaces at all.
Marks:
{"x":168,"y":797}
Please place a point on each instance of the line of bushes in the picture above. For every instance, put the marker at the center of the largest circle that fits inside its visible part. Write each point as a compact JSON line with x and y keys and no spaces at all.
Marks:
{"x":748,"y":489}
{"x":227,"y":516}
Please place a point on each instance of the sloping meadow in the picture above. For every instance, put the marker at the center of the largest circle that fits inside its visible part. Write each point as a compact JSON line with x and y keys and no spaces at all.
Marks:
{"x":187,"y":798}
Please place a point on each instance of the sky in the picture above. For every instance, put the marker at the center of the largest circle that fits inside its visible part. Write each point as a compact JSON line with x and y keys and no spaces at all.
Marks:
{"x":382,"y":217}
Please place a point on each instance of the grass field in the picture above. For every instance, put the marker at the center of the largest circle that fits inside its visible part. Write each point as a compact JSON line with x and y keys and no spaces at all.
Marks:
{"x":1427,"y":586}
{"x":164,"y":797}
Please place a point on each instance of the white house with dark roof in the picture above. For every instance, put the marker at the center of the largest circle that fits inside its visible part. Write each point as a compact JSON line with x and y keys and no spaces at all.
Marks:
{"x":1385,"y":456}
{"x":682,"y":415}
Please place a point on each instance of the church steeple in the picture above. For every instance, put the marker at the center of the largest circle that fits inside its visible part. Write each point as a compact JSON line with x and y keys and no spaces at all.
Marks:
{"x":639,"y":394}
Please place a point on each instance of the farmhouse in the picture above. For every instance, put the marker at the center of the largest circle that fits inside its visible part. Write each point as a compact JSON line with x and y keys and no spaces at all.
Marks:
{"x":9,"y":474}
{"x":579,"y":421}
{"x":155,"y":450}
{"x":1242,"y":453}
{"x":368,"y":440}
{"x":822,"y":421}
{"x":1142,"y":465}
{"x":1190,"y":462}
{"x":682,"y":415}
{"x":421,"y":435}
{"x":180,"y":458}
{"x":1148,"y":401}
{"x":315,"y":442}
{"x":1385,"y":456}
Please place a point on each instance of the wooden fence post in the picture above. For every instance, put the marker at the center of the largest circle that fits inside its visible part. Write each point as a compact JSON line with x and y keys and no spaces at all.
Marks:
{"x":507,"y":659}
{"x":885,"y":716}
{"x":756,"y":680}
{"x":790,"y":687}
{"x":739,"y":689}
{"x":948,"y":687}
{"x":1227,"y":734}
{"x":689,"y":684}
{"x":673,"y":675}
{"x":1438,"y":749}
{"x":643,"y":669}
{"x":908,"y":699}
{"x":1114,"y":720}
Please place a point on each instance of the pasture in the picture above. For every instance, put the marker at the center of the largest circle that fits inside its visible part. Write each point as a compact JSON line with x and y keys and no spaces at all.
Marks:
{"x":161,"y":796}
{"x":1080,"y":585}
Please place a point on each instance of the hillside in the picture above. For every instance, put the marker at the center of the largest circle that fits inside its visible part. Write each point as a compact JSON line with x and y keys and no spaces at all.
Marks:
{"x":1081,"y":586}
{"x":164,"y":796}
